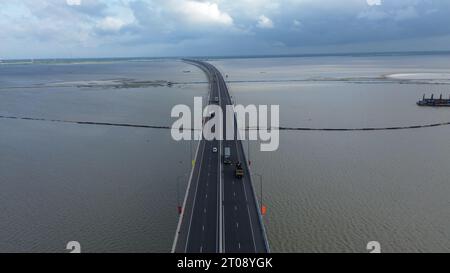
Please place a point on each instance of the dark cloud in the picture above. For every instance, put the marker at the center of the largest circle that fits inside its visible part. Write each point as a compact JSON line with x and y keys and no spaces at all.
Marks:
{"x":191,"y":27}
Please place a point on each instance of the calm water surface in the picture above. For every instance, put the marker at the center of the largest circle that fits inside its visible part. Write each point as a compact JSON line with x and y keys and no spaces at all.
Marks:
{"x":336,"y":191}
{"x":114,"y":189}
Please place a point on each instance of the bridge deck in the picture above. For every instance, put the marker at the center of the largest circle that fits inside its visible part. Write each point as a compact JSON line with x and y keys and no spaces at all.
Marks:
{"x":220,"y":213}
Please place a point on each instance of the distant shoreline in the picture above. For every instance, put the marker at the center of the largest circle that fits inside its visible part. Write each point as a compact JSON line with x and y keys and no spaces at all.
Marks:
{"x":144,"y":59}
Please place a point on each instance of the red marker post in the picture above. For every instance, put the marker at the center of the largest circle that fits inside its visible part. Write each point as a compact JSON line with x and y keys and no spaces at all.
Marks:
{"x":264,"y":210}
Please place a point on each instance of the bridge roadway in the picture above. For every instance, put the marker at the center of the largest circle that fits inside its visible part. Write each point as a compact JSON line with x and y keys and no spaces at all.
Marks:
{"x":220,"y":212}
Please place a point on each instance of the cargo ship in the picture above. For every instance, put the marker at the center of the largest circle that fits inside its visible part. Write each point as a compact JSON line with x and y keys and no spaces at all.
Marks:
{"x":440,"y":102}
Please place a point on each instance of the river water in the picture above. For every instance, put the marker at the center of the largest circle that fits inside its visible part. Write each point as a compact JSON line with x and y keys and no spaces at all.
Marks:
{"x":336,"y":191}
{"x":114,"y":189}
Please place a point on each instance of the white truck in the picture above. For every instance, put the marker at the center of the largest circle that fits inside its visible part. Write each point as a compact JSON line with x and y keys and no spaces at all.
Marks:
{"x":227,"y":156}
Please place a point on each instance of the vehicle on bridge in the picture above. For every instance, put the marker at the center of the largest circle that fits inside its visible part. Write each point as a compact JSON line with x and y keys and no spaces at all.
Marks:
{"x":227,"y":156}
{"x":239,"y":171}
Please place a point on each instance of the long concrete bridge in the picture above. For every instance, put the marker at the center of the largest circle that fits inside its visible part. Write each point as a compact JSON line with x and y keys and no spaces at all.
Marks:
{"x":220,"y":213}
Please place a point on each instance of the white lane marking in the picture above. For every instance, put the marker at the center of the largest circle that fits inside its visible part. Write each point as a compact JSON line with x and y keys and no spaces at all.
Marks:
{"x":188,"y":190}
{"x":203,"y":228}
{"x":250,"y":220}
{"x":245,"y":194}
{"x":251,"y":227}
{"x":206,"y":196}
{"x":195,"y":198}
{"x":237,"y":225}
{"x":219,"y":83}
{"x":235,"y":208}
{"x":248,"y":209}
{"x":201,"y":249}
{"x":219,"y":230}
{"x":239,"y":244}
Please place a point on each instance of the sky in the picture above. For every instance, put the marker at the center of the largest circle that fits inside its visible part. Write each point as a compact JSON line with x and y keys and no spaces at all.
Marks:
{"x":158,"y":28}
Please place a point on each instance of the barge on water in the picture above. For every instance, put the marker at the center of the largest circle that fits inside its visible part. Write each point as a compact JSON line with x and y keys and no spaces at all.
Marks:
{"x":440,"y":102}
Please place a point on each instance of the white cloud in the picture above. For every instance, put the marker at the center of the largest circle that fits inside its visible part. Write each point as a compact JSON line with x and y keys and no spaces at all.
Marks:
{"x":374,"y":2}
{"x":265,"y":22}
{"x":73,"y":2}
{"x":111,"y":24}
{"x":204,"y":13}
{"x":196,"y":26}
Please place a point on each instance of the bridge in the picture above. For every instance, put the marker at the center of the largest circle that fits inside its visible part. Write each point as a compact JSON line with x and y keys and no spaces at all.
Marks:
{"x":220,"y":213}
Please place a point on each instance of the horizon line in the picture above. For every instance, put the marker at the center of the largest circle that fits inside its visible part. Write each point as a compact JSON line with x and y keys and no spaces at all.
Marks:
{"x":356,"y":54}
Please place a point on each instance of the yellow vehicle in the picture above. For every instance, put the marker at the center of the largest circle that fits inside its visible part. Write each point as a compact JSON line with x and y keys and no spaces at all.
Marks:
{"x":239,"y":171}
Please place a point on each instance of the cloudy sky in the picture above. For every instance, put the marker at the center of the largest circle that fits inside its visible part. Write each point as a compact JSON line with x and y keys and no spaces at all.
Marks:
{"x":127,"y":28}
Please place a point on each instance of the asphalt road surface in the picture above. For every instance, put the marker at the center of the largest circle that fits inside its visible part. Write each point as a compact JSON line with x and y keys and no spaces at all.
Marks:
{"x":220,"y":212}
